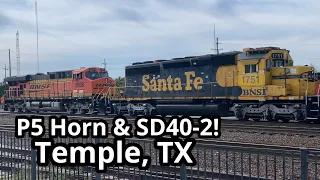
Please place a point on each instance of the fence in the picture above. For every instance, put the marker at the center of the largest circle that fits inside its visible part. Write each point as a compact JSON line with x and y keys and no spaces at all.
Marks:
{"x":18,"y":161}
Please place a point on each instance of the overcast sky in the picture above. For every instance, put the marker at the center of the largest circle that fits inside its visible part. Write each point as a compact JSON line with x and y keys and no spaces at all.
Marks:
{"x":77,"y":33}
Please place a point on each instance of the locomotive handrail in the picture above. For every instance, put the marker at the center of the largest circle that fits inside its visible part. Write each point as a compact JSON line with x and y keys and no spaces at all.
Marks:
{"x":306,"y":94}
{"x":94,"y":97}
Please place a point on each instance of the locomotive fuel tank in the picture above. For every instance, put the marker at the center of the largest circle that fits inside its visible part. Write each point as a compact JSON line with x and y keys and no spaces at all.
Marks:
{"x":43,"y":106}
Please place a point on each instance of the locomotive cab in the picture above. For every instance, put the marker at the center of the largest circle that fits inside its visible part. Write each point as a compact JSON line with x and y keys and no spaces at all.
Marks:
{"x":272,"y":87}
{"x":91,"y":82}
{"x":268,"y":72}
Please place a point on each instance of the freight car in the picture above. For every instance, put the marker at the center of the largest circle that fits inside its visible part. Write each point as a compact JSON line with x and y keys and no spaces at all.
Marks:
{"x":257,"y":83}
{"x":80,"y":90}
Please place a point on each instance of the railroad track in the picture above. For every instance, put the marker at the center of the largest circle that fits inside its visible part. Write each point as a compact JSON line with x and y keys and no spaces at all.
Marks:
{"x":200,"y":141}
{"x":225,"y":125}
{"x":230,"y":119}
{"x":256,"y":128}
{"x":273,"y":129}
{"x":237,"y":127}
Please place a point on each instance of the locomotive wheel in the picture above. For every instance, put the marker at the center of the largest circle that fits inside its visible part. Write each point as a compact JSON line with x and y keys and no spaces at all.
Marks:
{"x":131,"y":112}
{"x":243,"y":119}
{"x":102,"y":111}
{"x":146,"y":112}
{"x":135,"y":114}
{"x":27,"y":111}
{"x":84,"y":111}
{"x":316,"y":121}
{"x":119,"y":112}
{"x":72,"y":111}
{"x":269,"y":118}
{"x":153,"y":113}
{"x":95,"y":113}
{"x":256,"y":119}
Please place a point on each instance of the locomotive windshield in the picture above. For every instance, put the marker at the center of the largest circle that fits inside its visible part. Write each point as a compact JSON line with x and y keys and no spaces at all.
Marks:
{"x":278,"y":63}
{"x":96,"y":75}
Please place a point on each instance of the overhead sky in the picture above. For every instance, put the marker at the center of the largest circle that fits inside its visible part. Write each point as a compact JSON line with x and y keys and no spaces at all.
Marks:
{"x":78,"y":33}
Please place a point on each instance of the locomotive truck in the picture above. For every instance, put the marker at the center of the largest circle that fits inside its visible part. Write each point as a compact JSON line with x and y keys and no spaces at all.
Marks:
{"x":257,"y":83}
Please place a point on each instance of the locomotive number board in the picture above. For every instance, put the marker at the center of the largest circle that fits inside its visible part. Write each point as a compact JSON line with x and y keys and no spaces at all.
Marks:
{"x":277,"y":55}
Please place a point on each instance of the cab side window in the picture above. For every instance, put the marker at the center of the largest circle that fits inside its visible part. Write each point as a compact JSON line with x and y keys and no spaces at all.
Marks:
{"x":251,"y":68}
{"x":77,"y":76}
{"x":268,"y":65}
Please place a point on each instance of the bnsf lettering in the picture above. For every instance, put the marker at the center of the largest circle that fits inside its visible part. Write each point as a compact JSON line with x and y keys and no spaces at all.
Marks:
{"x":255,"y":92}
{"x":79,"y":84}
{"x":40,"y":86}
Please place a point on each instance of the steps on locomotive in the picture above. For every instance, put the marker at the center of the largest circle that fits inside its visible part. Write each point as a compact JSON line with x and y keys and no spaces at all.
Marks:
{"x":313,"y":106}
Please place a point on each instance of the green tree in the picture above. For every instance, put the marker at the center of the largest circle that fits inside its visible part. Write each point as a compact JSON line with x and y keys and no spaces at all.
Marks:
{"x":3,"y":87}
{"x":120,"y":82}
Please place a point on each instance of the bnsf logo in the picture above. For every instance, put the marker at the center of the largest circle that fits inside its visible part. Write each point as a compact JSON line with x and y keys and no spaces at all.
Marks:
{"x":41,"y":86}
{"x":254,"y":92}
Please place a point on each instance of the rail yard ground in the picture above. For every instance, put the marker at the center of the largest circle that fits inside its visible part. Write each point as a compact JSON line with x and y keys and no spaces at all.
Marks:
{"x":240,"y":150}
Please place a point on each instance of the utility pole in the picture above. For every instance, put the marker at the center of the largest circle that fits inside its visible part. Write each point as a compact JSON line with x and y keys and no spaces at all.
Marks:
{"x":9,"y":64}
{"x":104,"y":63}
{"x":5,"y":71}
{"x":36,"y":7}
{"x":214,"y":34}
{"x":18,"y":53}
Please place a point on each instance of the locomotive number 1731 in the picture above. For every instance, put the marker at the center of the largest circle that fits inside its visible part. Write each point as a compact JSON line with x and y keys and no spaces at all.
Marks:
{"x":250,"y":79}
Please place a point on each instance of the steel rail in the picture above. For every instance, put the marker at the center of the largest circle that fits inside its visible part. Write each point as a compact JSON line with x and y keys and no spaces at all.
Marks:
{"x":231,"y":126}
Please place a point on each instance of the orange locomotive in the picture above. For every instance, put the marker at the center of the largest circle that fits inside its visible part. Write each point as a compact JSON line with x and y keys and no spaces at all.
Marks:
{"x":81,"y":90}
